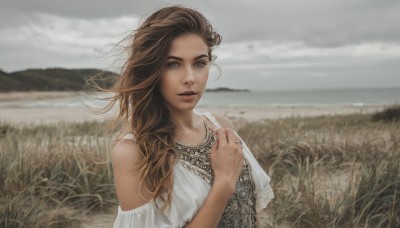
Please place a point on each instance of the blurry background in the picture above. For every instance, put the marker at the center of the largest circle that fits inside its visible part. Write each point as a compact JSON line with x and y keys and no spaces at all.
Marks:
{"x":267,"y":45}
{"x":339,"y":54}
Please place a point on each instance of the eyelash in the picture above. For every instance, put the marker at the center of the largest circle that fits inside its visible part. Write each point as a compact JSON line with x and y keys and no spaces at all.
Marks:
{"x":203,"y":63}
{"x":198,"y":64}
{"x":170,"y":64}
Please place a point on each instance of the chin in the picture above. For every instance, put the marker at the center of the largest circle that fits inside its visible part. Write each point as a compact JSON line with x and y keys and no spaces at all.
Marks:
{"x":190,"y":107}
{"x":186,"y":107}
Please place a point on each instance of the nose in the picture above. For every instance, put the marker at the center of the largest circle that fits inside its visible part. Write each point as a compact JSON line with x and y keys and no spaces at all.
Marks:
{"x":189,"y":76}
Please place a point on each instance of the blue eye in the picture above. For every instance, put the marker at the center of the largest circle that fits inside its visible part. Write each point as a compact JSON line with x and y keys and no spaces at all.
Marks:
{"x":200,"y":64}
{"x":173,"y":65}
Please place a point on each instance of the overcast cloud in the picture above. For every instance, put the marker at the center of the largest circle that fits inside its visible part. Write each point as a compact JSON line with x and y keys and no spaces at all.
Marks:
{"x":267,"y":44}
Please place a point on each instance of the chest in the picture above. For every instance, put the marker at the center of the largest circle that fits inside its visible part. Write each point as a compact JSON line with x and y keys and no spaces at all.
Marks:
{"x":240,"y":210}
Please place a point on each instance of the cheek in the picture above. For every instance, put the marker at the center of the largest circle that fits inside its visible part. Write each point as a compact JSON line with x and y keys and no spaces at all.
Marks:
{"x":167,"y":84}
{"x":204,"y":75}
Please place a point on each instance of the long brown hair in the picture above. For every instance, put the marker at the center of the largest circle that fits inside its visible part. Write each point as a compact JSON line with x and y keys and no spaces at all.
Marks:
{"x":141,"y":107}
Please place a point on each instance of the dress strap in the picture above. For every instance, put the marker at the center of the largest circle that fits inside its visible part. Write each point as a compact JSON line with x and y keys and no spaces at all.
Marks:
{"x":212,"y":119}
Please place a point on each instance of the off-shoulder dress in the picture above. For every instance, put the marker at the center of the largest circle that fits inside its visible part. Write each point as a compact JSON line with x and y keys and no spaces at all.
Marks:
{"x":193,"y":178}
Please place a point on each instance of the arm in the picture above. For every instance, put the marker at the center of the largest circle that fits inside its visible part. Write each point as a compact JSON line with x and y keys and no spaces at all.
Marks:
{"x":125,"y":158}
{"x":226,"y":162}
{"x":211,"y":211}
{"x":226,"y":123}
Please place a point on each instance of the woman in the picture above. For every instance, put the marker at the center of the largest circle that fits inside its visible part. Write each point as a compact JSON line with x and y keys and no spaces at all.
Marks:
{"x":176,"y":167}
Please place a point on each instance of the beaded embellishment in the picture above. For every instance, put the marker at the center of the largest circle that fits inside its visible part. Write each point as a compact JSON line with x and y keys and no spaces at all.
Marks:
{"x":240,"y":210}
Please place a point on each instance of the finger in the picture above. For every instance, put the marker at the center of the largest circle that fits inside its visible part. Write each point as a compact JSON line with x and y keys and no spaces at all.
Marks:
{"x":230,"y":136}
{"x":222,"y":137}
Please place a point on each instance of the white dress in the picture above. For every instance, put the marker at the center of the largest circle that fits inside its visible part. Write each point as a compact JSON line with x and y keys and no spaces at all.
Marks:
{"x":190,"y":190}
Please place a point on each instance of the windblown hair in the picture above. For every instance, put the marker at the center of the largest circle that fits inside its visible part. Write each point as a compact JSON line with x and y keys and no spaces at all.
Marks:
{"x":141,"y":107}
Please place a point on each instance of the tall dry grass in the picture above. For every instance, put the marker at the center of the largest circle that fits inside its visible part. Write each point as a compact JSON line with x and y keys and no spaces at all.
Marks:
{"x":52,"y":175}
{"x":332,"y":171}
{"x":341,"y":171}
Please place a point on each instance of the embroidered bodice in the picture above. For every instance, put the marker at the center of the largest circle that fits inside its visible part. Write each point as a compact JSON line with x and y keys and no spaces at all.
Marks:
{"x":241,"y":208}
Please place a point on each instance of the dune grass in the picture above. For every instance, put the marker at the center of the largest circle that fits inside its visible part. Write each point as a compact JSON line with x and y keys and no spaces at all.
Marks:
{"x":340,"y":171}
{"x":51,"y":175}
{"x":328,"y":171}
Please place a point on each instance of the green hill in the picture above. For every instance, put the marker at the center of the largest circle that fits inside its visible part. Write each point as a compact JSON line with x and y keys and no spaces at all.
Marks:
{"x":54,"y":79}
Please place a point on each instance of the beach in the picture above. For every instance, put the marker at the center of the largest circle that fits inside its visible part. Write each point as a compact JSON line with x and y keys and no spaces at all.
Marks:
{"x":12,"y":111}
{"x":310,"y":160}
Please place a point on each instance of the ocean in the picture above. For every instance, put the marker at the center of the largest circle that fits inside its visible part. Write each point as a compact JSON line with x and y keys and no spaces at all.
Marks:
{"x":325,"y":97}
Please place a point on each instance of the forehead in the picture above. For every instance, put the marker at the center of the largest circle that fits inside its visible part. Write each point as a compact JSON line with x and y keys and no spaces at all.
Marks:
{"x":188,"y":45}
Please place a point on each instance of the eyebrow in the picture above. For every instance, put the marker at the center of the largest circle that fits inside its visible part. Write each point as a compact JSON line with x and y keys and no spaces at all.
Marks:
{"x":180,"y":59}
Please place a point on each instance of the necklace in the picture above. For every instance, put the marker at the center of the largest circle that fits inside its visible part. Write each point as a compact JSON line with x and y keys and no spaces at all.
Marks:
{"x":196,"y":158}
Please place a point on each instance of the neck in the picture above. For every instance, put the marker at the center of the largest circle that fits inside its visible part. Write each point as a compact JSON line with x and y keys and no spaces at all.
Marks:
{"x":183,"y":120}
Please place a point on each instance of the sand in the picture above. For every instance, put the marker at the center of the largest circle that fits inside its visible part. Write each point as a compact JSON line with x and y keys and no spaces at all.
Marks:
{"x":39,"y":115}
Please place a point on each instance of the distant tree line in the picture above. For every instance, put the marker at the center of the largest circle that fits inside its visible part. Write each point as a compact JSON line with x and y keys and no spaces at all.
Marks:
{"x":55,"y":79}
{"x":226,"y":89}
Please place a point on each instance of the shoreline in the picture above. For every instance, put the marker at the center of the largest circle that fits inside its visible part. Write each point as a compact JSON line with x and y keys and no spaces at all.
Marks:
{"x":15,"y":113}
{"x":46,"y":115}
{"x":39,"y":95}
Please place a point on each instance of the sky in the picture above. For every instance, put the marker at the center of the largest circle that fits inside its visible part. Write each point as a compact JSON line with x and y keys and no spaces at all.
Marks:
{"x":267,"y":44}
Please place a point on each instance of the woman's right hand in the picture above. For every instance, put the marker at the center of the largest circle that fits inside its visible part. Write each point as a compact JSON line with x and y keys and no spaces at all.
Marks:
{"x":227,"y":163}
{"x":226,"y":159}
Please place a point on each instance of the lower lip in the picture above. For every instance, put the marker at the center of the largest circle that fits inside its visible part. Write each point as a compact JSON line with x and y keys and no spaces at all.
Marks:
{"x":188,"y":97}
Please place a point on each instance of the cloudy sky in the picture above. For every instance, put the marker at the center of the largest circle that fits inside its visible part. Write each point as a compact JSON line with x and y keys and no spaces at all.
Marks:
{"x":267,"y":44}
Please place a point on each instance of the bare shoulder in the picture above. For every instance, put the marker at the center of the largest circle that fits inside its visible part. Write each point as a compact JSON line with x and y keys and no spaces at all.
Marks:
{"x":223,"y":121}
{"x":125,"y":154}
{"x":125,"y":158}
